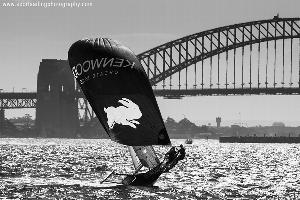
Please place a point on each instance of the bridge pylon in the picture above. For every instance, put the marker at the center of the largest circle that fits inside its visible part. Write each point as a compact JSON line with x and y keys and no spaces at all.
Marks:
{"x":56,"y":107}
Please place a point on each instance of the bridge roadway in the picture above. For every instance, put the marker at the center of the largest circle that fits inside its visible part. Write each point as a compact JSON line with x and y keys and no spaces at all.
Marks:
{"x":183,"y":92}
{"x":11,"y":100}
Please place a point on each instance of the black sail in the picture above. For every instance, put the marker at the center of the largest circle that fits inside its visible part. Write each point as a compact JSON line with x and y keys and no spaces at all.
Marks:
{"x":118,"y":90}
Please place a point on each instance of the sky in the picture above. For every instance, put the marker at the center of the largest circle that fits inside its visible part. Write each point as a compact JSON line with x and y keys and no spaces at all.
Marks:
{"x":29,"y":34}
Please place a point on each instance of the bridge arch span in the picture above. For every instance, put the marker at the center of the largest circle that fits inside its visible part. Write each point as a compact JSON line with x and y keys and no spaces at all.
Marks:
{"x":167,"y":59}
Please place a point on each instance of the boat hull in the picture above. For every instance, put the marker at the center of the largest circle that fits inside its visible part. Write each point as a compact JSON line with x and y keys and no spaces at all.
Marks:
{"x":144,"y":179}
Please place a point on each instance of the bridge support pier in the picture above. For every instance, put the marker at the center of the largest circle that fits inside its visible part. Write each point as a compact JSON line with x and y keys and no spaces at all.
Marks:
{"x":56,"y":107}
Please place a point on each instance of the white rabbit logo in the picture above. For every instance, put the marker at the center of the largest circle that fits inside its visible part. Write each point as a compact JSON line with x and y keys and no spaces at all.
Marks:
{"x":125,"y":115}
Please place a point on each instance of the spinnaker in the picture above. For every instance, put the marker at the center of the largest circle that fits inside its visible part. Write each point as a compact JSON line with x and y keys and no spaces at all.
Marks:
{"x":118,"y":90}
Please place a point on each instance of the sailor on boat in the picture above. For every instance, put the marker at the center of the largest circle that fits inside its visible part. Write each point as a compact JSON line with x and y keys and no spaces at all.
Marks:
{"x":118,"y":89}
{"x":173,"y":156}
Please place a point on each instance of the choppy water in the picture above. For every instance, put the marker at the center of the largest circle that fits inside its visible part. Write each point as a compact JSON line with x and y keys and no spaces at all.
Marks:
{"x":65,"y":169}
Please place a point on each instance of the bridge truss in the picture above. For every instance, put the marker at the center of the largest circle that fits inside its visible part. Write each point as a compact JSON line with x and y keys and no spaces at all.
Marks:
{"x":17,"y":100}
{"x":259,"y":57}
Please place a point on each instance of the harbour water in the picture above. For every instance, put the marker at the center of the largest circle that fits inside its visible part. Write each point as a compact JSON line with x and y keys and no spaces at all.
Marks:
{"x":71,"y":168}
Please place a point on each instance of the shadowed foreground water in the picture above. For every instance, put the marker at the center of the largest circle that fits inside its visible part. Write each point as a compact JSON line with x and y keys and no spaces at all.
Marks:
{"x":71,"y":169}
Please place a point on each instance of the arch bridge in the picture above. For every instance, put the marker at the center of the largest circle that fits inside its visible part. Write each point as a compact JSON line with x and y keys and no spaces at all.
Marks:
{"x":258,"y":57}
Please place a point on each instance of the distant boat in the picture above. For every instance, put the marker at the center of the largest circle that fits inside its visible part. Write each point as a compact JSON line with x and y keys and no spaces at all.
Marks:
{"x":189,"y":141}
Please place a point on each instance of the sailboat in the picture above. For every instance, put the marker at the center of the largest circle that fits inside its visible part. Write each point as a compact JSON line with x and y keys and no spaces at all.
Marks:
{"x":119,"y":92}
